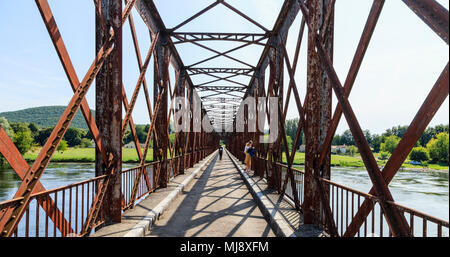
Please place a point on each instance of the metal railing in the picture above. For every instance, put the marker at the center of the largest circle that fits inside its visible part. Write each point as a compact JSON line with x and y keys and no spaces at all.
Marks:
{"x":67,"y":207}
{"x":61,"y":212}
{"x":345,"y":202}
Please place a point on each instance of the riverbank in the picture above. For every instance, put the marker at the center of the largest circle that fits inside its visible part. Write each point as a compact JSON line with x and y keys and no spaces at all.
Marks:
{"x":87,"y":155}
{"x":357,"y":162}
{"x":129,"y":155}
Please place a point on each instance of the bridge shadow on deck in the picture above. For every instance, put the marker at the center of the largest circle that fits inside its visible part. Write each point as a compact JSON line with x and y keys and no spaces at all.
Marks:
{"x":217,"y":203}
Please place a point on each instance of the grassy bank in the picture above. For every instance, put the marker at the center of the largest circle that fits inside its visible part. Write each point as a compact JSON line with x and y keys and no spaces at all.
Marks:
{"x":130,"y":156}
{"x":356,"y":161}
{"x":87,"y":155}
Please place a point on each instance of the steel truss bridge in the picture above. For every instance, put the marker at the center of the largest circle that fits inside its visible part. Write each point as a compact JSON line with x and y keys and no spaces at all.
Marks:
{"x":101,"y":200}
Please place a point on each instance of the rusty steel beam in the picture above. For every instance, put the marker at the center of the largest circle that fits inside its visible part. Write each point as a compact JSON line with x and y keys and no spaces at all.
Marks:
{"x":318,"y":111}
{"x":222,"y":99}
{"x":201,"y":71}
{"x":186,"y":37}
{"x":224,"y":54}
{"x":243,"y":15}
{"x":180,"y":135}
{"x":161,"y":87}
{"x":433,"y":14}
{"x":209,"y":7}
{"x":108,"y":108}
{"x":215,"y":88}
{"x":222,"y":79}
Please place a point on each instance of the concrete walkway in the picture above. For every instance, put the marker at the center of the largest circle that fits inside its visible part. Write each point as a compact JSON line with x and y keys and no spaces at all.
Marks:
{"x":216,"y":203}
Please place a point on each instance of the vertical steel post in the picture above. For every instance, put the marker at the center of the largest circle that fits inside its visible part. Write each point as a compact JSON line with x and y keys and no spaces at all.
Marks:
{"x":108,"y":114}
{"x":318,"y":112}
{"x":160,"y":86}
{"x":180,"y":136}
{"x":191,"y":128}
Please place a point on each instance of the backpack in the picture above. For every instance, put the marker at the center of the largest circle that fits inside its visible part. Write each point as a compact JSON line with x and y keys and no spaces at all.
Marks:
{"x":251,"y":151}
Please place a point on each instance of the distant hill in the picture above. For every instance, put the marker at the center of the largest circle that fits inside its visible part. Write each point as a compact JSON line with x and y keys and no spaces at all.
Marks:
{"x":45,"y":116}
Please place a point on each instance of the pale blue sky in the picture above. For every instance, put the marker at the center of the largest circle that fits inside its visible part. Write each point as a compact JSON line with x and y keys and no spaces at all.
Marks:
{"x":402,"y":63}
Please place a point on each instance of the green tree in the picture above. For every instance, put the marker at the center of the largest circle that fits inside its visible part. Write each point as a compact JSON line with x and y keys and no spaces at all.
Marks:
{"x":431,"y":132}
{"x":128,"y":137}
{"x":347,"y":138}
{"x":9,"y":131}
{"x":6,"y":126}
{"x":419,"y":154}
{"x":62,"y":146}
{"x":19,"y":127}
{"x":291,"y":127}
{"x":438,"y":148}
{"x":384,"y":155}
{"x":352,"y":150}
{"x":33,"y":127}
{"x":336,"y":140}
{"x":368,"y":136}
{"x":73,"y":136}
{"x":141,"y":132}
{"x":42,"y":135}
{"x":23,"y":140}
{"x":88,"y":135}
{"x":376,"y":142}
{"x":397,"y":131}
{"x":390,"y":143}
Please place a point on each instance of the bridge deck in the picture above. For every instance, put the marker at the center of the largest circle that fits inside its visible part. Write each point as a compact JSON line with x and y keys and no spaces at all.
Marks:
{"x":215,"y":201}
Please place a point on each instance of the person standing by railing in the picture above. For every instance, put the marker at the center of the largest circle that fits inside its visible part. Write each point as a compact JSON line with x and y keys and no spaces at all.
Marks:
{"x":249,"y":152}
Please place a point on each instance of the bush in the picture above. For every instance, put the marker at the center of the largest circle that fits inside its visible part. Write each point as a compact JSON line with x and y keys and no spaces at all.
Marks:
{"x":62,"y":146}
{"x":9,"y":131}
{"x":390,"y":143}
{"x":73,"y":136}
{"x":419,"y":154}
{"x":384,"y":155}
{"x":352,"y":150}
{"x":85,"y":143}
{"x":438,"y":148}
{"x":23,"y":140}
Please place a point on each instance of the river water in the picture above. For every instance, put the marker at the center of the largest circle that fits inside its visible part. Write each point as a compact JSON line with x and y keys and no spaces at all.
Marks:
{"x":427,"y":192}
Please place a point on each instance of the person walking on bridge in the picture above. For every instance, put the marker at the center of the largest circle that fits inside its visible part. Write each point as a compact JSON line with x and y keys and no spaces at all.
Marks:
{"x":220,"y":152}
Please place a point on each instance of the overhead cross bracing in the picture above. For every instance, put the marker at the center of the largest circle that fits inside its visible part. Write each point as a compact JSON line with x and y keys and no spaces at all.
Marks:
{"x":224,"y":76}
